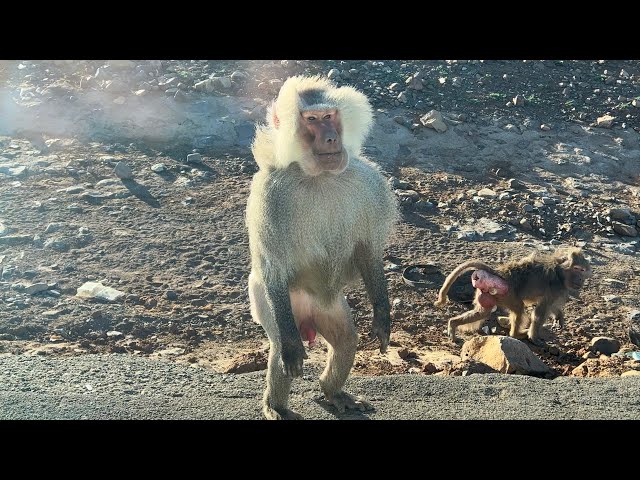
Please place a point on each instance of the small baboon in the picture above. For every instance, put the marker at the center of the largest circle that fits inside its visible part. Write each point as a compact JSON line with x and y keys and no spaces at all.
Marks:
{"x":543,"y":280}
{"x":318,"y":217}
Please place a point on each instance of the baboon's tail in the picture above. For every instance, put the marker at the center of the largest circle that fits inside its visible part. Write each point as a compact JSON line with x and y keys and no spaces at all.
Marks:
{"x":453,"y":276}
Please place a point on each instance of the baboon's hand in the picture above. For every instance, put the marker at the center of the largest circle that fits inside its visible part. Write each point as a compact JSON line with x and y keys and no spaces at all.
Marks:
{"x":381,"y":328}
{"x":292,"y":357}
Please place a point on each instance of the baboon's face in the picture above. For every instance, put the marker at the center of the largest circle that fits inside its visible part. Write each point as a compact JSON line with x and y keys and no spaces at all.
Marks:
{"x":578,"y":272}
{"x":321,"y":134}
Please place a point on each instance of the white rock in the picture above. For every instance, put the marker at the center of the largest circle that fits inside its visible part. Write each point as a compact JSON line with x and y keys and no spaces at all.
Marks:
{"x":486,"y":192}
{"x":605,"y":121}
{"x":98,"y":291}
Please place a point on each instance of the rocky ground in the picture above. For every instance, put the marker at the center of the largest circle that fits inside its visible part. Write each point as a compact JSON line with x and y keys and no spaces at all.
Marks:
{"x":135,"y":174}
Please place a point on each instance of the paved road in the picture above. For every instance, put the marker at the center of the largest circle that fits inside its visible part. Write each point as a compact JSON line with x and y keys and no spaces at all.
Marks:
{"x":128,"y":387}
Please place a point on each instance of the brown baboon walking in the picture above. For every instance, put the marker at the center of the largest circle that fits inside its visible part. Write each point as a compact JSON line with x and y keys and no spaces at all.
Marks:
{"x":543,"y":280}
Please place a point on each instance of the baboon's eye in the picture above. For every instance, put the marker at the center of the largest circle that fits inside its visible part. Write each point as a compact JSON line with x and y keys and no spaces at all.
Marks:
{"x":327,"y":116}
{"x":311,"y":118}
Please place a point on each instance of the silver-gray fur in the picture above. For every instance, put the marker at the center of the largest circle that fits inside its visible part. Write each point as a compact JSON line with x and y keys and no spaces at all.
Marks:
{"x":309,"y":237}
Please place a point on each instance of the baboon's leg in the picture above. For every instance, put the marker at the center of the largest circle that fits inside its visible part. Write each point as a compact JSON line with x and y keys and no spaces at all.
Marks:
{"x":336,"y":325}
{"x":559,"y":319}
{"x":518,"y":322}
{"x":538,"y":316}
{"x":276,"y":395}
{"x":478,"y":315}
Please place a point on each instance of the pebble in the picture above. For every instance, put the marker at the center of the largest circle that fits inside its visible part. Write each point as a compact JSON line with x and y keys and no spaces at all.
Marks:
{"x":605,"y":121}
{"x":515,"y":184}
{"x":410,"y":195}
{"x":73,"y":189}
{"x":170,"y":295}
{"x":158,"y":167}
{"x":4,"y":230}
{"x":56,"y":244}
{"x":334,"y":74}
{"x":623,"y":215}
{"x":504,"y":196}
{"x":194,"y":158}
{"x":75,"y":208}
{"x":123,"y":171}
{"x":433,"y":119}
{"x":222,"y":83}
{"x":611,"y":298}
{"x":423,"y":205}
{"x":614,"y":282}
{"x":524,"y":223}
{"x":241,"y":77}
{"x":487,"y":192}
{"x":396,"y":183}
{"x":518,"y":100}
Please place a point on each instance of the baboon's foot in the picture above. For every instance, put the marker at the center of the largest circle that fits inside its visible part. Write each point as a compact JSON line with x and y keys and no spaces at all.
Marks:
{"x":451,"y":333}
{"x":280,"y":413}
{"x":343,"y":401}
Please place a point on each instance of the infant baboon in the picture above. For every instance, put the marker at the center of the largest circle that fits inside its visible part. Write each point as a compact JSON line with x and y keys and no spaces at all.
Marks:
{"x":318,"y":217}
{"x":543,"y":280}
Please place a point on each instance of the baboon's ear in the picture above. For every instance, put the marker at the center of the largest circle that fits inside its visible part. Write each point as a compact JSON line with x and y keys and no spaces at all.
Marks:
{"x":274,"y":114}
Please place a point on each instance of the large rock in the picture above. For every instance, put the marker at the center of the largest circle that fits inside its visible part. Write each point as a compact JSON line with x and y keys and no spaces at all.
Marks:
{"x":624,"y":230}
{"x":504,"y":354}
{"x":622,"y":215}
{"x":606,"y":345}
